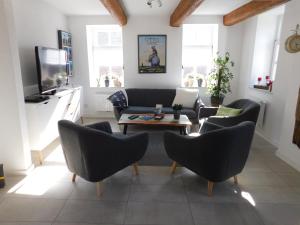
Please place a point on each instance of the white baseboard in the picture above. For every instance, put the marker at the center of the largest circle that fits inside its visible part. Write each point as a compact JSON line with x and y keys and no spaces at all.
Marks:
{"x":292,"y":163}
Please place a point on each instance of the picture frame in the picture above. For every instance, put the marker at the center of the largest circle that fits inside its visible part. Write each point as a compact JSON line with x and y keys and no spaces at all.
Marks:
{"x":152,"y":53}
{"x":65,"y":43}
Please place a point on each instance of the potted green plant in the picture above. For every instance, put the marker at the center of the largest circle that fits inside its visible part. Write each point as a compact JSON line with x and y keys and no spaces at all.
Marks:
{"x":177,"y":108}
{"x":219,"y":79}
{"x":200,"y":78}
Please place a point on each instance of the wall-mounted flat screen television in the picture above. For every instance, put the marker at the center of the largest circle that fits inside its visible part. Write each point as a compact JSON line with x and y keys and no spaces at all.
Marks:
{"x":51,"y":67}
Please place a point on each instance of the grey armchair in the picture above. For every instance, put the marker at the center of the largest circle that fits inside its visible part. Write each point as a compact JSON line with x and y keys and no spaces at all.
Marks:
{"x":250,"y":111}
{"x":217,"y":154}
{"x":95,"y":153}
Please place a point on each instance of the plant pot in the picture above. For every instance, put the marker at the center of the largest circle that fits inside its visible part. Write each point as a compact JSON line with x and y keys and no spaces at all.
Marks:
{"x":200,"y":81}
{"x":106,"y":83}
{"x":216,"y":100}
{"x":176,"y":115}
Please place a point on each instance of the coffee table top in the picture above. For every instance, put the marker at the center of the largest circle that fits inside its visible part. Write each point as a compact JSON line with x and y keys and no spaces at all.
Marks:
{"x":168,"y":120}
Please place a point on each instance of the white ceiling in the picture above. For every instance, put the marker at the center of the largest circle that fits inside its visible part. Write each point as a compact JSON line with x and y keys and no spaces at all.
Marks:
{"x":219,"y":7}
{"x":139,"y":7}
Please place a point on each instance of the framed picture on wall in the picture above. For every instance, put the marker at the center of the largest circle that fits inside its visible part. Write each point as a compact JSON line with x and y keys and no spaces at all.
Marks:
{"x":65,"y":43}
{"x":152,"y":53}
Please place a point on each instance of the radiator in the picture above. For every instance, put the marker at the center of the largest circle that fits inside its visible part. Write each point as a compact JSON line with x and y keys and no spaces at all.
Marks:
{"x":262,"y":112}
{"x":102,"y":104}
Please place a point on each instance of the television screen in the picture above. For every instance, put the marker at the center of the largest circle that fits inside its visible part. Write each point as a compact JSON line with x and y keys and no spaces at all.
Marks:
{"x":52,"y":68}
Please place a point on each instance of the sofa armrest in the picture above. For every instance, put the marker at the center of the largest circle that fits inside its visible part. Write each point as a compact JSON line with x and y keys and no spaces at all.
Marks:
{"x":207,"y":112}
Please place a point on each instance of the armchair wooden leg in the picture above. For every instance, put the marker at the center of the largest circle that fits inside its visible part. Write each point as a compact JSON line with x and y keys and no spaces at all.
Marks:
{"x":173,"y":167}
{"x":74,"y":177}
{"x":99,"y":187}
{"x":136,"y":169}
{"x":210,"y":187}
{"x":236,"y":179}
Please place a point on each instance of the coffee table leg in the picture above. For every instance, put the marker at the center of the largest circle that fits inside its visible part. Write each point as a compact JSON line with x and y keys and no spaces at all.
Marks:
{"x":125,"y":129}
{"x":180,"y":130}
{"x":184,"y":131}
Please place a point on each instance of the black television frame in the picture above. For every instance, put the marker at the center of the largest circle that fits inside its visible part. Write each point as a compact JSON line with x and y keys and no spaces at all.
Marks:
{"x":51,"y":90}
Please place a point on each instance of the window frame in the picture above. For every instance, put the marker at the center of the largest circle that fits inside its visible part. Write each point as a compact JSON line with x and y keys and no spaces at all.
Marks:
{"x":92,"y":49}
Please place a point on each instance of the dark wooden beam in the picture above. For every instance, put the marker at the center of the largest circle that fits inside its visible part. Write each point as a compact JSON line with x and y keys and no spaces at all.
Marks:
{"x":250,"y":9}
{"x":115,"y":9}
{"x":183,"y":10}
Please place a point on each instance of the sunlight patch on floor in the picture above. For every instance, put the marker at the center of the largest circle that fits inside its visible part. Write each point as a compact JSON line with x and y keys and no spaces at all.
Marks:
{"x":40,"y":180}
{"x":248,"y":197}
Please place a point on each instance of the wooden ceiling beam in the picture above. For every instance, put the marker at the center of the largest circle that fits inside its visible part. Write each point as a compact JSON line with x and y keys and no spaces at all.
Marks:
{"x":115,"y":9}
{"x":183,"y":10}
{"x":250,"y":9}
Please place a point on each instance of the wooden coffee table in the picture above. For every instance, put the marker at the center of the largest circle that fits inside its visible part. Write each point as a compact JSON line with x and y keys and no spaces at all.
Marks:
{"x":168,"y":120}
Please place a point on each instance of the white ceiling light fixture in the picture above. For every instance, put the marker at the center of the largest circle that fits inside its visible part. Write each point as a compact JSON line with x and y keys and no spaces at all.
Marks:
{"x":150,"y":3}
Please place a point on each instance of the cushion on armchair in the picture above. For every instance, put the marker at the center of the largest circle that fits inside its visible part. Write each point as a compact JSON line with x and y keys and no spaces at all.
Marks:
{"x":118,"y":99}
{"x":226,"y":111}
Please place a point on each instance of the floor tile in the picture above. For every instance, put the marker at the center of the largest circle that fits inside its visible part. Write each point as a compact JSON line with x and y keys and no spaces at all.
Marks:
{"x":26,"y":209}
{"x":225,"y":214}
{"x":56,"y":190}
{"x":111,"y":192}
{"x":79,"y":211}
{"x":291,"y":179}
{"x":158,"y":213}
{"x":261,"y":194}
{"x":261,"y":179}
{"x":279,"y":214}
{"x":24,"y":223}
{"x":158,"y":193}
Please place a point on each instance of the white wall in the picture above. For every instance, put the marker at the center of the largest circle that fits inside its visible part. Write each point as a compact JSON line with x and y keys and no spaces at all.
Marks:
{"x":36,"y":23}
{"x":14,"y":147}
{"x":280,"y":114}
{"x":152,"y":25}
{"x":288,"y":73}
{"x":256,"y":45}
{"x":230,"y":39}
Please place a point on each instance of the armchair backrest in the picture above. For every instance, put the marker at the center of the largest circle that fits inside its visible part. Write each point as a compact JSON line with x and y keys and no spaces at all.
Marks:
{"x":250,"y":109}
{"x":70,"y":140}
{"x":226,"y":150}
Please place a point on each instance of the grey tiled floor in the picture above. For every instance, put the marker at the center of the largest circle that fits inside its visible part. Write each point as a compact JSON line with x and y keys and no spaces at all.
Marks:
{"x":268,"y":194}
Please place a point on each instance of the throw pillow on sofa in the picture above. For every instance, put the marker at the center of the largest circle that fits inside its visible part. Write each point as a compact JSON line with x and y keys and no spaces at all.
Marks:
{"x":226,"y":111}
{"x":186,"y":97}
{"x":118,"y":99}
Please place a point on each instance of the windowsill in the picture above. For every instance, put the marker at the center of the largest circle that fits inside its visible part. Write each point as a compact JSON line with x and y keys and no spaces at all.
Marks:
{"x":107,"y":89}
{"x":261,"y":90}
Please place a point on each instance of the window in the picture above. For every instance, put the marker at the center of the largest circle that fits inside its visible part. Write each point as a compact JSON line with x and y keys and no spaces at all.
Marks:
{"x":199,"y":45}
{"x":276,"y":48}
{"x":105,"y":52}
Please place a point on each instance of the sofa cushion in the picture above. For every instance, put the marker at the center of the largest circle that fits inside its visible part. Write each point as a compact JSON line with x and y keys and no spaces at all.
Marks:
{"x":118,"y":99}
{"x":186,"y":97}
{"x":138,"y":110}
{"x":150,"y":97}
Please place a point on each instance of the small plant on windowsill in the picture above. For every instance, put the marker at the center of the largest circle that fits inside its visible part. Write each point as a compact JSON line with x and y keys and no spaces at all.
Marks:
{"x":219,"y":79}
{"x":106,"y":81}
{"x":177,"y":108}
{"x":98,"y":80}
